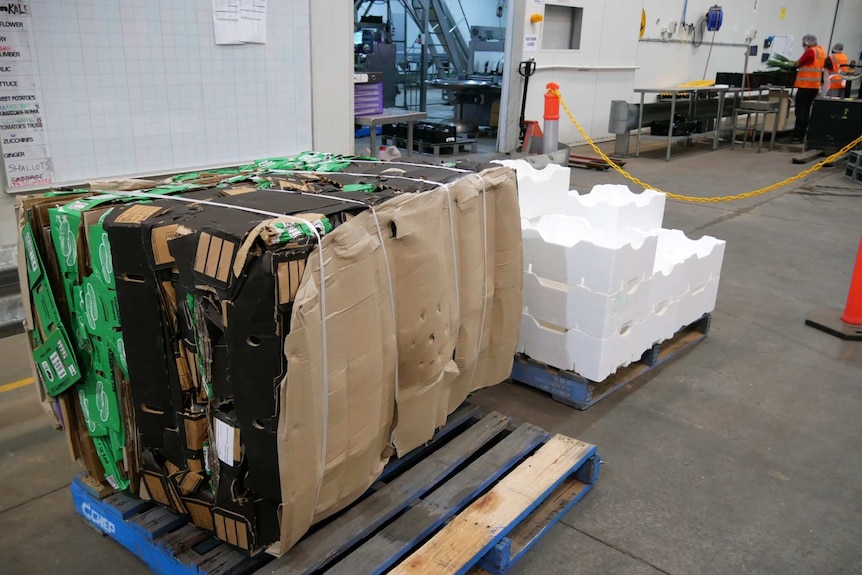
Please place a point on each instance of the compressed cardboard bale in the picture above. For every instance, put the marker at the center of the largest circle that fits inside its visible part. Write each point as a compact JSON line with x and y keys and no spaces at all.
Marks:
{"x":355,"y":449}
{"x":202,"y":341}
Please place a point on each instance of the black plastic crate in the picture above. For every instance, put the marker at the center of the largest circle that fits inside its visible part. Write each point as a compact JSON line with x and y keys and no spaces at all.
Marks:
{"x":680,"y":127}
{"x":431,"y":133}
{"x":729,"y":78}
{"x":397,"y":130}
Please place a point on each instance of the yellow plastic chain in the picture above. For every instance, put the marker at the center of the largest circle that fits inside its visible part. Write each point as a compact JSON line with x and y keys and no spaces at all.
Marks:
{"x":633,"y":179}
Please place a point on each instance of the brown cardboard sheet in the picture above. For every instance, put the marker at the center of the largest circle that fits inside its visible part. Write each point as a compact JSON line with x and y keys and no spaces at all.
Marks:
{"x":321,"y":475}
{"x":422,"y":266}
{"x":356,"y":418}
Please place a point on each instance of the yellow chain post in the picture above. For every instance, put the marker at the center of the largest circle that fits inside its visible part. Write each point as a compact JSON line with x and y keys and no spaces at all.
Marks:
{"x":633,"y":179}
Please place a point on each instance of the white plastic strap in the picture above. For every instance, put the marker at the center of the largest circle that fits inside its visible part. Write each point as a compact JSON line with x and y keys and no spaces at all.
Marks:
{"x":389,"y":176}
{"x":378,"y":162}
{"x":484,"y":277}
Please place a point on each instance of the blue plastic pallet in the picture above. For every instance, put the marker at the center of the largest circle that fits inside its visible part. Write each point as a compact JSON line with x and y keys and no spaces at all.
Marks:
{"x":579,"y":392}
{"x":416,"y":497}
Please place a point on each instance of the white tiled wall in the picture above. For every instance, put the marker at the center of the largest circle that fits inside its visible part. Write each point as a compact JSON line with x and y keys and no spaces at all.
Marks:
{"x":139,"y":86}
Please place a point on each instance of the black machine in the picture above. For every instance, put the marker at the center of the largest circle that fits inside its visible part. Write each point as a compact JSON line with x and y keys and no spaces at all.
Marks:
{"x":833,"y":124}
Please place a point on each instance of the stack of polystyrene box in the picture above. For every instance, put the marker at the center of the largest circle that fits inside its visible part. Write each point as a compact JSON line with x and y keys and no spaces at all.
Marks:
{"x":603,"y":281}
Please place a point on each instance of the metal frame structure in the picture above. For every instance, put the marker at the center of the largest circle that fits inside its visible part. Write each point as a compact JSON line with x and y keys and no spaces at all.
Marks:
{"x":442,"y":42}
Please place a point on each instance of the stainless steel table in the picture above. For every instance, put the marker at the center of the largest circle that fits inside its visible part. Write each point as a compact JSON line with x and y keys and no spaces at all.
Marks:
{"x":720,"y":90}
{"x":757,"y":108}
{"x":391,"y":116}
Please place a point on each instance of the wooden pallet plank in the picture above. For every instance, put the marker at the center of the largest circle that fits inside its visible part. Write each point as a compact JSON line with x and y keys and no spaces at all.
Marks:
{"x":388,"y":546}
{"x":360,"y":521}
{"x":463,"y":542}
{"x":156,"y":522}
{"x":128,"y":534}
{"x":97,"y":489}
{"x":222,"y":560}
{"x":127,"y":506}
{"x":183,"y":539}
{"x":527,"y":533}
{"x":806,"y":156}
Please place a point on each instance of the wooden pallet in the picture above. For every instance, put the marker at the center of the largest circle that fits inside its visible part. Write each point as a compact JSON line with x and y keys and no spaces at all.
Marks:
{"x":579,"y":392}
{"x":807,"y":156}
{"x":474,"y":500}
{"x":593,"y":162}
{"x":460,"y":146}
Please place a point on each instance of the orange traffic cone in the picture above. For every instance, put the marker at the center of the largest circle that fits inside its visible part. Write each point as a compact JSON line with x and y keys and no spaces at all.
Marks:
{"x":853,"y":309}
{"x":846,"y":325}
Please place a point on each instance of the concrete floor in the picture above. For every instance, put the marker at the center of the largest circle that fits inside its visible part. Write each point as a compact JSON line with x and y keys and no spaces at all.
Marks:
{"x":742,"y":457}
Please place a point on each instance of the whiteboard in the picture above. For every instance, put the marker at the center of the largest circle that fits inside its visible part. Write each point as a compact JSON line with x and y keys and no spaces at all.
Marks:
{"x":137,"y":87}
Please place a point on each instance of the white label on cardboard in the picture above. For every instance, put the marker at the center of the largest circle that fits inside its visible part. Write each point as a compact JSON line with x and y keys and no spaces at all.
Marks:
{"x":224,"y":442}
{"x":207,"y":457}
{"x":531,"y":43}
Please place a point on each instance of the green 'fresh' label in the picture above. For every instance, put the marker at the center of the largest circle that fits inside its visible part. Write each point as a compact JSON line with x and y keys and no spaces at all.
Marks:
{"x":121,"y":355}
{"x":91,"y":307}
{"x":107,"y":267}
{"x":67,"y":241}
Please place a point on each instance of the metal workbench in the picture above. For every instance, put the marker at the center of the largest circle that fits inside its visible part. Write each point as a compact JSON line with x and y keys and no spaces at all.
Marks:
{"x":720,"y":91}
{"x":391,"y":116}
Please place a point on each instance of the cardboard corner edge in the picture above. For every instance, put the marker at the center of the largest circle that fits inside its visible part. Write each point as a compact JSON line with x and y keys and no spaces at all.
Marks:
{"x":23,"y":283}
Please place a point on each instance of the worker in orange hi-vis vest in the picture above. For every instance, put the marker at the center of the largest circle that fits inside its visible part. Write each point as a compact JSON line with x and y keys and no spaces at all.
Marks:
{"x":809,"y":79}
{"x":838,"y":60}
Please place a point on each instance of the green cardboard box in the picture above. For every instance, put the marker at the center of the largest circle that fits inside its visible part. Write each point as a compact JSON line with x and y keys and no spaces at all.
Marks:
{"x":52,"y":351}
{"x":66,"y":226}
{"x":100,"y":253}
{"x":109,"y":458}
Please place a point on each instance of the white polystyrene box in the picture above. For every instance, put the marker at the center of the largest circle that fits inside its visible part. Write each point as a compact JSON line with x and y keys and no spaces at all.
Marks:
{"x":613,"y":207}
{"x":667,"y":285}
{"x":703,"y":257}
{"x":697,"y":302}
{"x":682,"y":265}
{"x":569,"y":250}
{"x":541,"y":192}
{"x":664,"y":323}
{"x":573,"y":350}
{"x":577,"y":307}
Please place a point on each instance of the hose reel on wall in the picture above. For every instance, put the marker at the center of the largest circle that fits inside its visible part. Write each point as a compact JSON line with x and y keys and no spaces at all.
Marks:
{"x":714,"y":17}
